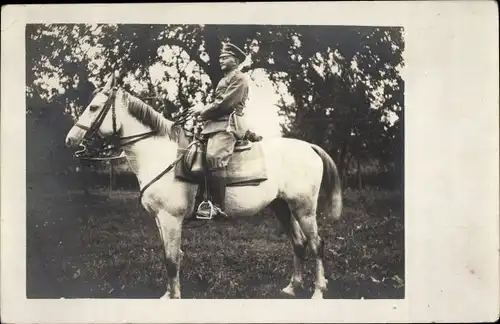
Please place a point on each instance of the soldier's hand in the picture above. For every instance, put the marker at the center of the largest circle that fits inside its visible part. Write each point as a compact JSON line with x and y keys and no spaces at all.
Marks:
{"x":196,"y":110}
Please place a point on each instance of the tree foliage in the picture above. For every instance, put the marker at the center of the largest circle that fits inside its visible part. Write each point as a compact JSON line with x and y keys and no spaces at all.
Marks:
{"x":344,"y":81}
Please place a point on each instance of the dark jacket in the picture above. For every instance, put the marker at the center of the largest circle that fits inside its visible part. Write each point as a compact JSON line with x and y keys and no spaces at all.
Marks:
{"x":227,"y":111}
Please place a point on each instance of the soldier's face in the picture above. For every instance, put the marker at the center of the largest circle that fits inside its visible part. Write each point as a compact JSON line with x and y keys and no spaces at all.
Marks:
{"x":228,"y":62}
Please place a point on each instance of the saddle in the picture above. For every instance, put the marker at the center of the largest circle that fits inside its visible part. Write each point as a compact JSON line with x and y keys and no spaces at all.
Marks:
{"x":246,"y":166}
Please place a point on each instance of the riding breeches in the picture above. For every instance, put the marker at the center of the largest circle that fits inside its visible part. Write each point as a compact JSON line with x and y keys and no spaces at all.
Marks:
{"x":220,"y":147}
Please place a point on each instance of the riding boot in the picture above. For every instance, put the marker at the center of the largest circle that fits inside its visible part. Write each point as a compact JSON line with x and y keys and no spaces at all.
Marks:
{"x":218,"y":191}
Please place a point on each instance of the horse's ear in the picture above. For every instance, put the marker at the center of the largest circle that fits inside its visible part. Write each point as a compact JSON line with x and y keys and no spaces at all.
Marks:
{"x":118,"y":78}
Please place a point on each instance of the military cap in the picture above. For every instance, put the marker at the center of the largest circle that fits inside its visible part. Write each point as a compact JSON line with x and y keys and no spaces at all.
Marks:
{"x":231,"y":49}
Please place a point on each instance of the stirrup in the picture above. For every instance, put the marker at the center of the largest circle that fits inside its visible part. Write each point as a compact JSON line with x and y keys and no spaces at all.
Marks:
{"x":206,"y":210}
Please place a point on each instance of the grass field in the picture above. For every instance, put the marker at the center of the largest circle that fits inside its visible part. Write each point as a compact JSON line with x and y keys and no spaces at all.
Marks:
{"x":106,"y":246}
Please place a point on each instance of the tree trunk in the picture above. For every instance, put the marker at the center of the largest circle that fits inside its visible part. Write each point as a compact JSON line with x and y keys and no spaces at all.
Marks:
{"x":341,"y":166}
{"x":360,"y":183}
{"x":84,"y":172}
{"x":111,"y":176}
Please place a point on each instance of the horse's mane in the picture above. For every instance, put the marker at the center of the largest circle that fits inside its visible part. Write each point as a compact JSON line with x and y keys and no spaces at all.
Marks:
{"x":148,"y":116}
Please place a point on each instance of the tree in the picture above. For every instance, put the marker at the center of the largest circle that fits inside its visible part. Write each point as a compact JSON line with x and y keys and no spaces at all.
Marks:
{"x":344,"y":81}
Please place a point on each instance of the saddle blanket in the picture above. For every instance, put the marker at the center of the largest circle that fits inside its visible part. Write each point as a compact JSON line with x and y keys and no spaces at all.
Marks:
{"x":245,"y":167}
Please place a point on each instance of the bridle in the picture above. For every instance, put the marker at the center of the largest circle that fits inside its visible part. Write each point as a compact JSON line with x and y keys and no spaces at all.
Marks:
{"x":114,"y":142}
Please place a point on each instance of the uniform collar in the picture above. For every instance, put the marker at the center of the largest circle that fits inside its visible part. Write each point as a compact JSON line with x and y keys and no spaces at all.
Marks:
{"x":231,"y":73}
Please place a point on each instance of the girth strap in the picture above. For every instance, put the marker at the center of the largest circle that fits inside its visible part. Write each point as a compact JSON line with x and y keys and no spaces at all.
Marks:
{"x":170,"y":167}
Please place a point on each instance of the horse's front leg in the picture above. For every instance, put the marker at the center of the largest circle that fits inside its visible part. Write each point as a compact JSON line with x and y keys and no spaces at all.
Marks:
{"x":170,"y":227}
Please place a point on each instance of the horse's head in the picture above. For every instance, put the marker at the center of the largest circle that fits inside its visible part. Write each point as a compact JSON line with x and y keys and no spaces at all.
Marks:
{"x":101,"y":116}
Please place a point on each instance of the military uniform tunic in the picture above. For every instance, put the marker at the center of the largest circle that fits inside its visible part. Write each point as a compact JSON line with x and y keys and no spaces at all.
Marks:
{"x":225,"y":118}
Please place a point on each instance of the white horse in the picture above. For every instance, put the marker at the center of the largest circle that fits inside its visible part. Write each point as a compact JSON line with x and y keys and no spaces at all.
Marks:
{"x":296,"y":171}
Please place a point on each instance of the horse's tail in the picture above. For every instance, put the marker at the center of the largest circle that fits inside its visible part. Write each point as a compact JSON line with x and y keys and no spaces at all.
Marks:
{"x":331,"y":200}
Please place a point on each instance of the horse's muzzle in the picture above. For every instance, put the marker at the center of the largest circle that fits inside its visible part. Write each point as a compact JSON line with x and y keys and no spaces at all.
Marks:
{"x":71,"y":141}
{"x":68,"y":142}
{"x":74,"y":137}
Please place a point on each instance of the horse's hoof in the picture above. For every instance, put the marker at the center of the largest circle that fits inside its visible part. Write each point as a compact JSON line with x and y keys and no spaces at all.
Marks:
{"x":318,"y":294}
{"x":288,"y":292}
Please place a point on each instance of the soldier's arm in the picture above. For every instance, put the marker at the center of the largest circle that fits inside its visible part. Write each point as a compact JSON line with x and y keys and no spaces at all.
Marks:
{"x":223,"y":105}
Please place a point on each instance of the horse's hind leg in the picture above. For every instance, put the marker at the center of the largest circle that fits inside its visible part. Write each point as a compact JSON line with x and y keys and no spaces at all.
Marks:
{"x":298,"y":241}
{"x":305,"y":213}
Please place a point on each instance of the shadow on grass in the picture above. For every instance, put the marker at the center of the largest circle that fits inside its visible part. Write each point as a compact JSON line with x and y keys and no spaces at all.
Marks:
{"x":106,"y":246}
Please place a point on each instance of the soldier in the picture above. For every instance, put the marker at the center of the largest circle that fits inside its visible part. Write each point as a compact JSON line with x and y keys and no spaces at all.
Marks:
{"x":223,"y":121}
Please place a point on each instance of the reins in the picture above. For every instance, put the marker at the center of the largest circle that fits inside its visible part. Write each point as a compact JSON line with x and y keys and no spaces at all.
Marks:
{"x":133,"y":139}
